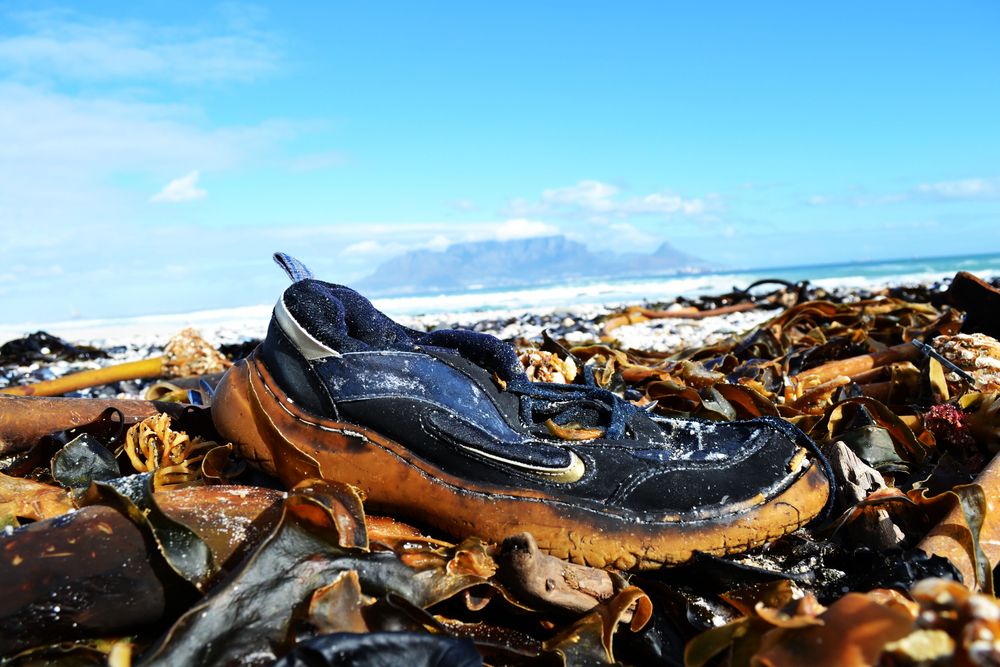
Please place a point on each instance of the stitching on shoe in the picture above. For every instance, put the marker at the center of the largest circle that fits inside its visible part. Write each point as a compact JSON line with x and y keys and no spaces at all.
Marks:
{"x":785,"y":528}
{"x":421,"y":356}
{"x":425,"y":355}
{"x":512,"y":469}
{"x":597,"y":444}
{"x":636,"y":479}
{"x":309,"y":369}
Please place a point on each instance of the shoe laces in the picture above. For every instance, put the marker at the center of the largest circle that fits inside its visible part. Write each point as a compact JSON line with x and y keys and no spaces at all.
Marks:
{"x":567,"y":398}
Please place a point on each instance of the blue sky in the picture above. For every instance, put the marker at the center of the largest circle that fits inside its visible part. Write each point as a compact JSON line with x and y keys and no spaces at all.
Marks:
{"x":152,"y":156}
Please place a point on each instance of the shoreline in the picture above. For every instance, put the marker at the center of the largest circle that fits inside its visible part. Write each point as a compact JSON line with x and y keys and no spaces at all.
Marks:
{"x":132,"y":339}
{"x":553,"y":305}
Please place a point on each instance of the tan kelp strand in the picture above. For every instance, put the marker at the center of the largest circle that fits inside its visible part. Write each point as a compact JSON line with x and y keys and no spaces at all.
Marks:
{"x":131,"y":533}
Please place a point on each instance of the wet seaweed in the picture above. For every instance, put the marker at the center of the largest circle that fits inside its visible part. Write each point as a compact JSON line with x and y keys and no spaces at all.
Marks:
{"x":209,"y":572}
{"x":45,"y":348}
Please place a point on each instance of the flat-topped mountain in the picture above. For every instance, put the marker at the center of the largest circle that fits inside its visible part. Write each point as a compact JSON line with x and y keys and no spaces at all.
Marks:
{"x":516,"y":263}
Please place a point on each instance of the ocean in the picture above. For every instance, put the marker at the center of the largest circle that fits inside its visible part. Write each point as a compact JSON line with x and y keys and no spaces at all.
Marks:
{"x":570,"y":296}
{"x":860,"y":275}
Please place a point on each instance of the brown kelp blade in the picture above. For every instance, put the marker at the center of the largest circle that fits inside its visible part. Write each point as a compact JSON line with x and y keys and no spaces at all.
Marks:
{"x":26,"y":420}
{"x":86,"y":574}
{"x":969,"y":535}
{"x":187,"y":353}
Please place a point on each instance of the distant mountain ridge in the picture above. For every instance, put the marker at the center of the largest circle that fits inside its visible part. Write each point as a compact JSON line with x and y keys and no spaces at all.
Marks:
{"x":517,"y":263}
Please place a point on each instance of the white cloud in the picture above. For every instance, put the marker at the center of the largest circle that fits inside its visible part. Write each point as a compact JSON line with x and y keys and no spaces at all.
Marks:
{"x":598,"y":201}
{"x":522,"y":228}
{"x":68,"y":160}
{"x":664,"y":203}
{"x":969,"y":188}
{"x":181,"y":189}
{"x":439,"y":242}
{"x":367,"y":248}
{"x":587,"y":194}
{"x":372,"y":248}
{"x":68,"y":46}
{"x":380,"y":241}
{"x":44,"y":127}
{"x":630,"y":235}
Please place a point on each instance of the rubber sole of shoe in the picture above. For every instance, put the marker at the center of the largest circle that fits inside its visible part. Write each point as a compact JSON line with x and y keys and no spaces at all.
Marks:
{"x":284,"y":440}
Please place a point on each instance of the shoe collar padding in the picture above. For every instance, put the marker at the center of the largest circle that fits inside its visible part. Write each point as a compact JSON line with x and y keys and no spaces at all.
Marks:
{"x":310,"y":348}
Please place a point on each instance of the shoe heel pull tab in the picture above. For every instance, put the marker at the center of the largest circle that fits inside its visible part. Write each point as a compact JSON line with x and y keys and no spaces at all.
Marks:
{"x":295,"y":269}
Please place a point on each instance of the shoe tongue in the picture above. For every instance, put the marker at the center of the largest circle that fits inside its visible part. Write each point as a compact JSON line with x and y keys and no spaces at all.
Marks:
{"x":487,"y":352}
{"x":367,"y":324}
{"x":349,"y":322}
{"x":342,"y":319}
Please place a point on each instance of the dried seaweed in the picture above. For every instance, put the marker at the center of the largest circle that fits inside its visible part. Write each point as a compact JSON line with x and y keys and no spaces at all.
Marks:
{"x":223,"y":574}
{"x":28,"y":499}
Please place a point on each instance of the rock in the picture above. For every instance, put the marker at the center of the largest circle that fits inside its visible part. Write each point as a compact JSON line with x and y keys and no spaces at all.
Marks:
{"x":856,"y":480}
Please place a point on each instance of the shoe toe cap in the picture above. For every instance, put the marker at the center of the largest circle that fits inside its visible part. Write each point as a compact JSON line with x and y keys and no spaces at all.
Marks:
{"x":737,"y":465}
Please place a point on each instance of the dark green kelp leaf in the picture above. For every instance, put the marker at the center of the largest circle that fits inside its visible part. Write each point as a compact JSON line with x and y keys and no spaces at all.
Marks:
{"x":82,"y":461}
{"x":255,"y":612}
{"x":873,"y":432}
{"x":184,"y":551}
{"x":715,"y":405}
{"x":874,"y":446}
{"x":711,"y":643}
{"x":747,"y":402}
{"x":90,"y":573}
{"x":383,"y":649}
{"x":250,"y":618}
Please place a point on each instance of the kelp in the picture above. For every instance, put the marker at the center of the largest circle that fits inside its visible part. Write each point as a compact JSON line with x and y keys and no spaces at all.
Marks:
{"x":939,"y":622}
{"x":185,"y":354}
{"x":382,"y":649}
{"x":43,"y":347}
{"x":317,"y":561}
{"x":211,"y":565}
{"x":88,"y":469}
{"x":26,"y":499}
{"x":83,"y":461}
{"x":847,"y":374}
{"x":32,"y":428}
{"x":170,"y":455}
{"x":315,"y":574}
{"x":593,"y":635}
{"x":85,"y":574}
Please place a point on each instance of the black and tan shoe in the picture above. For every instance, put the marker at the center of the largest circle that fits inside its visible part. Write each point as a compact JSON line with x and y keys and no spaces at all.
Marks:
{"x":445,"y":428}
